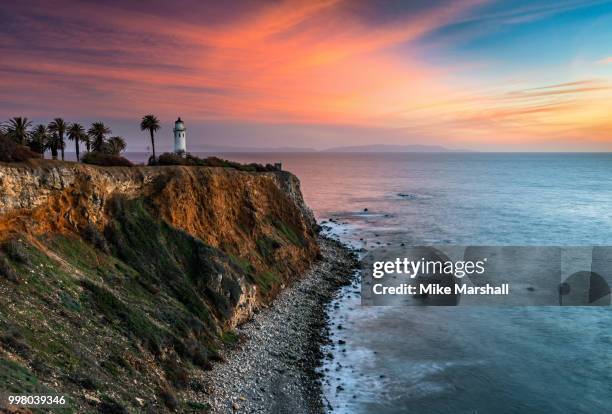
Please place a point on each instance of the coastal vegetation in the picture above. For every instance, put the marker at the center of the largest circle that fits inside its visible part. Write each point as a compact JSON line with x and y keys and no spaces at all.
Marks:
{"x":58,"y":128}
{"x":122,"y":299}
{"x":105,"y":159}
{"x":20,"y":141}
{"x":17,"y":129}
{"x":170,"y":158}
{"x":150,"y":123}
{"x":11,"y":151}
{"x":76,"y":133}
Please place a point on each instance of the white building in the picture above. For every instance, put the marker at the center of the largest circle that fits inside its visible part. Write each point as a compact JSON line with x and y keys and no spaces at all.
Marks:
{"x":180,"y":141}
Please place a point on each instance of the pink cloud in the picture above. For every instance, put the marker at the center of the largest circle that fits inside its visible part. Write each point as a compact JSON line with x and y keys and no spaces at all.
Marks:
{"x":285,"y":62}
{"x":606,"y":60}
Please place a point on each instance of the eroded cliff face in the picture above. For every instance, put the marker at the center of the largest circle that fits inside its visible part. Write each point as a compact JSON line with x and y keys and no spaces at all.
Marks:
{"x":132,"y":277}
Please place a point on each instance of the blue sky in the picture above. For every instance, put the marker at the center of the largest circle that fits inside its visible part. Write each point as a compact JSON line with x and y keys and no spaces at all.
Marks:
{"x":472,"y":74}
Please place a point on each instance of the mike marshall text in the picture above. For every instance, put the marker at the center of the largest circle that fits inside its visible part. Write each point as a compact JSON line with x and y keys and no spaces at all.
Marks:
{"x":436,"y":289}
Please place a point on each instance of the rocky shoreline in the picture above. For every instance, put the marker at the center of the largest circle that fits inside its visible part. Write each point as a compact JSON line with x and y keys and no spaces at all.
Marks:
{"x":273,"y":368}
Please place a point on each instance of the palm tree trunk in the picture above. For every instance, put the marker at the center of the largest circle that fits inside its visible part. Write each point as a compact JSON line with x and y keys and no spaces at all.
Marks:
{"x":153,"y":143}
{"x":62,"y":145}
{"x":76,"y":147}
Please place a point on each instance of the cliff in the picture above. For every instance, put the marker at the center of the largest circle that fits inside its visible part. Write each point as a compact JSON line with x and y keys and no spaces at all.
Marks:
{"x":118,"y":283}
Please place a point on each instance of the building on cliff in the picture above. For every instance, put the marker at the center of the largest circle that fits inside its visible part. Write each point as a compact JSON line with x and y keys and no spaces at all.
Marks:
{"x":180,"y":140}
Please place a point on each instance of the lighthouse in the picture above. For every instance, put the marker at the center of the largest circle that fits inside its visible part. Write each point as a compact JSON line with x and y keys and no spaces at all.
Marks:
{"x":180,"y":144}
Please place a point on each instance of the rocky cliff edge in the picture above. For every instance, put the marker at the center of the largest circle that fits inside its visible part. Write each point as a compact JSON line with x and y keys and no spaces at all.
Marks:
{"x":118,"y":282}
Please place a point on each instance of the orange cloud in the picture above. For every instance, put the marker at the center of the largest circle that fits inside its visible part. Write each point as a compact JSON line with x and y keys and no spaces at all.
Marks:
{"x":285,"y":62}
{"x":289,"y":62}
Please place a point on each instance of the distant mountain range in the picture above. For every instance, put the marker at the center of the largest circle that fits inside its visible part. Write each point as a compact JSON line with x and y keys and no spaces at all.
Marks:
{"x":347,"y":149}
{"x":394,"y":148}
{"x":227,"y":148}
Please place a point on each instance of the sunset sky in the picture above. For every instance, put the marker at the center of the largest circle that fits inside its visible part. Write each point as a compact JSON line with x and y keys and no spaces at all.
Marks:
{"x":511,"y":75}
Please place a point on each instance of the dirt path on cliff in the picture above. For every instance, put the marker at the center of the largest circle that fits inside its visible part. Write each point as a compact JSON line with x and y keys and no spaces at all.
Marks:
{"x":273,"y":370}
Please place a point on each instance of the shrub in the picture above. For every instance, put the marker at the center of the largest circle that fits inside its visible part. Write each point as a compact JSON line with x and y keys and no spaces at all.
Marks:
{"x":83,"y":380}
{"x":176,"y":373}
{"x":170,"y":158}
{"x":7,"y":271}
{"x":267,"y":280}
{"x":16,"y":252}
{"x":12,"y":152}
{"x":110,"y":406}
{"x":229,"y":337}
{"x":168,"y":396}
{"x":106,"y":160}
{"x":95,"y":237}
{"x":69,"y":302}
{"x":198,"y":406}
{"x":200,"y":358}
{"x":14,"y":341}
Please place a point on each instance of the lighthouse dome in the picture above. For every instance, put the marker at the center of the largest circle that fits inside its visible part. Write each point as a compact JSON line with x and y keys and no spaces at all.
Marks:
{"x":179,"y":124}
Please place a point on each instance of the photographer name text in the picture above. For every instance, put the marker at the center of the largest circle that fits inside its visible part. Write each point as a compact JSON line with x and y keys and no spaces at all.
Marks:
{"x":437,"y":289}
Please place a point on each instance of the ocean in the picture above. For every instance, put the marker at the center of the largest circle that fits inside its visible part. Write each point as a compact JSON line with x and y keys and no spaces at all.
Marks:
{"x":444,"y":360}
{"x":472,"y":360}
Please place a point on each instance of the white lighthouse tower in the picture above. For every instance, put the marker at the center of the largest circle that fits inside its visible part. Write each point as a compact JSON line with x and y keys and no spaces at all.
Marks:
{"x":180,"y":141}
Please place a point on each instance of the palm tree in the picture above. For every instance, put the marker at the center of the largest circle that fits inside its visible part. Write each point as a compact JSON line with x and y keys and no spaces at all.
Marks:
{"x":39,"y":138}
{"x":54,"y":144}
{"x":17,"y":129}
{"x":97,"y":133}
{"x":150,"y":123}
{"x":87,"y":140}
{"x":76,"y":133}
{"x":115,"y":145}
{"x":59,"y":126}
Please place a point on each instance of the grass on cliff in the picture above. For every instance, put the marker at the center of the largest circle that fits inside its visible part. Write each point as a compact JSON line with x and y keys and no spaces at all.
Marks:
{"x":100,"y":318}
{"x":132,"y":319}
{"x":126,"y":311}
{"x":289,"y":233}
{"x":266,"y":246}
{"x":18,"y":379}
{"x":267,"y":280}
{"x":163,"y":255}
{"x":243,"y":264}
